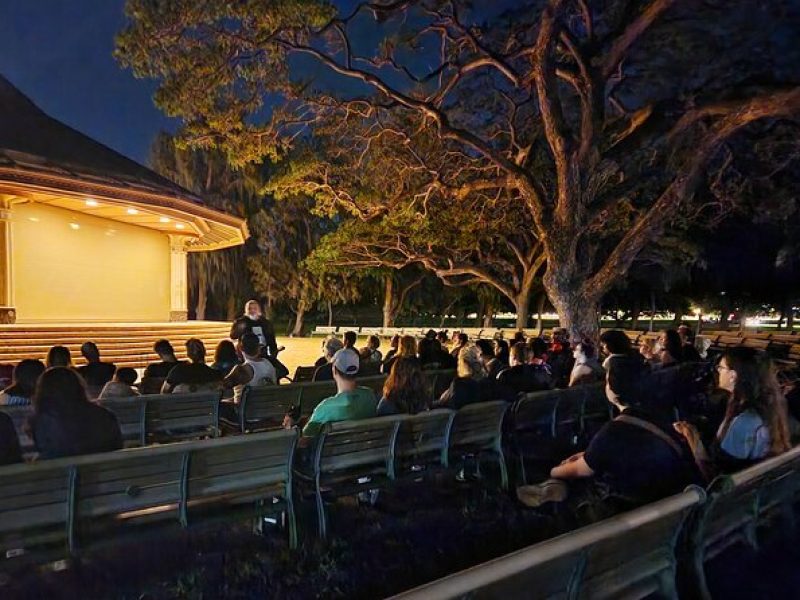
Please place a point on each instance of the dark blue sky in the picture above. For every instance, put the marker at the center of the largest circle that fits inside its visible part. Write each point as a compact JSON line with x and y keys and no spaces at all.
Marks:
{"x":58,"y":52}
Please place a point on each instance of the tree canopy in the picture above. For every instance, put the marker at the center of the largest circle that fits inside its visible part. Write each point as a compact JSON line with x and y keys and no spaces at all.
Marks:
{"x":600,"y":120}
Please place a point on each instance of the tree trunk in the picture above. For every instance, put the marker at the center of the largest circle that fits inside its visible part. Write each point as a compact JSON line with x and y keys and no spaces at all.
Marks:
{"x":539,"y":310}
{"x":522,"y":305}
{"x":635,"y":314}
{"x":577,"y":313}
{"x":389,"y":302}
{"x":298,"y":323}
{"x":330,"y":313}
{"x":742,"y":321}
{"x":790,"y":316}
{"x":488,"y":314}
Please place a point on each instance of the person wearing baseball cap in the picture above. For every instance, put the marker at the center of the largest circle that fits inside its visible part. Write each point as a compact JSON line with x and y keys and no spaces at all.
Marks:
{"x":351,"y":401}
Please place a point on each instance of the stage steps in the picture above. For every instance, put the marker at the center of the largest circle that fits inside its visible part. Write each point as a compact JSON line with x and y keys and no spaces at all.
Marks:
{"x":125,"y":344}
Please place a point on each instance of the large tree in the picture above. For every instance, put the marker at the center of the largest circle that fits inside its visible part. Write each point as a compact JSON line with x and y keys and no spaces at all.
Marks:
{"x":601,"y":117}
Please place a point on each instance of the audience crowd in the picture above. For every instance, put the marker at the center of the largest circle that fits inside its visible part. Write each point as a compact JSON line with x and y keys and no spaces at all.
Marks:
{"x":642,"y":454}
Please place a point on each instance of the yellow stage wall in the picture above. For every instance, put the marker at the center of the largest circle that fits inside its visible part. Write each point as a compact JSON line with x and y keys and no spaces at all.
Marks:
{"x":101,"y":270}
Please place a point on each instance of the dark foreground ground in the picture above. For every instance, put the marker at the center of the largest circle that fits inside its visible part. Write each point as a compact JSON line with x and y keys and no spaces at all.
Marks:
{"x":411,"y":537}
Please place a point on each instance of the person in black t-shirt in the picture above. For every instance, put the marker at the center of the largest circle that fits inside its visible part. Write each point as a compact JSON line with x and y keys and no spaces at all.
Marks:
{"x":95,"y":372}
{"x":253,"y":321}
{"x":522,"y":377}
{"x":637,"y":457}
{"x":194,"y":376}
{"x":159,"y":370}
{"x":65,"y":422}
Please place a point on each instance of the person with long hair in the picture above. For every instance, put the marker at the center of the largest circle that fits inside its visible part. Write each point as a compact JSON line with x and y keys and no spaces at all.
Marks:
{"x":470,"y":384}
{"x":406,"y":389}
{"x":254,"y":321}
{"x":226,"y":357}
{"x":406,"y":348}
{"x":23,"y":383}
{"x":65,"y":422}
{"x":586,"y":368}
{"x":755,"y":425}
{"x":58,"y":356}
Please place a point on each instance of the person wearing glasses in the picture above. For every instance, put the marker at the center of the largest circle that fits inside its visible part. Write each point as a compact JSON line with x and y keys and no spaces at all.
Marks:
{"x":755,"y":425}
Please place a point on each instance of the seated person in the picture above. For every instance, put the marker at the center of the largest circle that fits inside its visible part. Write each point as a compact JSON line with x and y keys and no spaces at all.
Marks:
{"x":160,"y":370}
{"x":394,"y":345}
{"x":636,"y":458}
{"x":255,"y":371}
{"x":459,"y":341}
{"x":194,"y":376}
{"x":501,"y":352}
{"x":58,"y":356}
{"x":350,"y":402}
{"x":537,"y":353}
{"x":407,"y":348}
{"x":755,"y":425}
{"x":522,"y":377}
{"x":23,"y":383}
{"x":121,"y":386}
{"x":559,"y":357}
{"x":10,"y":451}
{"x":491,"y":363}
{"x":95,"y":372}
{"x":65,"y":422}
{"x":586,"y":369}
{"x":669,"y":348}
{"x":690,"y":353}
{"x":406,"y":390}
{"x":324,"y":371}
{"x":350,"y":339}
{"x":370,"y":352}
{"x":225,"y":357}
{"x":470,"y":384}
{"x":614,"y":344}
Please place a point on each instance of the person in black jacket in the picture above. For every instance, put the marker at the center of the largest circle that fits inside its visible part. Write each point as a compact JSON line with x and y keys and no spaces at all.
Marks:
{"x":253,"y":321}
{"x":10,"y":452}
{"x":65,"y":422}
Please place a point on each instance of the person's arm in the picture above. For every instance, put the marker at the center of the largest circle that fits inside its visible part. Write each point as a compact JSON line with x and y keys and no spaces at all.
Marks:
{"x":239,"y":375}
{"x":575,"y":467}
{"x":171,"y":381}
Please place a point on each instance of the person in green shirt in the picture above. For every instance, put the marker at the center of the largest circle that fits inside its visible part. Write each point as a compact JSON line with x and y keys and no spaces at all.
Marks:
{"x":351,"y":401}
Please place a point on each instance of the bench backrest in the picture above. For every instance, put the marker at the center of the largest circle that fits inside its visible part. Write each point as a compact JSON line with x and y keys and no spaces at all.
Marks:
{"x":536,"y":412}
{"x":130,"y":416}
{"x":736,"y":501}
{"x":366,"y":445}
{"x":624,"y":556}
{"x":171,"y":417}
{"x":479,"y":425}
{"x":62,"y":502}
{"x":241,"y":467}
{"x":302,"y":374}
{"x":263,"y":407}
{"x":424,"y":438}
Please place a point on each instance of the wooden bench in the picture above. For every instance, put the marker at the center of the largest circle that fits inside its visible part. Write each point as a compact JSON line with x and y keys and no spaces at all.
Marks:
{"x":264,"y":407}
{"x":738,"y":504}
{"x":631,"y":555}
{"x":423,"y":441}
{"x":324,"y":330}
{"x":161,"y":418}
{"x":68,"y":506}
{"x":348,"y":457}
{"x":477,"y":431}
{"x":303,"y":374}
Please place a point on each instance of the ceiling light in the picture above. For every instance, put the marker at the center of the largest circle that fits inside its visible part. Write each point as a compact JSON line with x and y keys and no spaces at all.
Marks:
{"x":179,"y":225}
{"x":133,"y":211}
{"x":164,"y":220}
{"x":74,"y":226}
{"x":34,"y":219}
{"x":92,"y":203}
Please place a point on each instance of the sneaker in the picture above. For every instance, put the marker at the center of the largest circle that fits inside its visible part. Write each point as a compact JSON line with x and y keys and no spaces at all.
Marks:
{"x":552,"y":490}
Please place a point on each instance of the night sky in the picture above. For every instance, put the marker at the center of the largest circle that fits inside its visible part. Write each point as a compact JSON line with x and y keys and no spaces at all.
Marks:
{"x":58,"y":52}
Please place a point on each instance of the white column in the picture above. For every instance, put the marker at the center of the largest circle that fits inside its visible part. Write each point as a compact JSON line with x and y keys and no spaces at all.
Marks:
{"x":8,"y":312}
{"x":179,"y":288}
